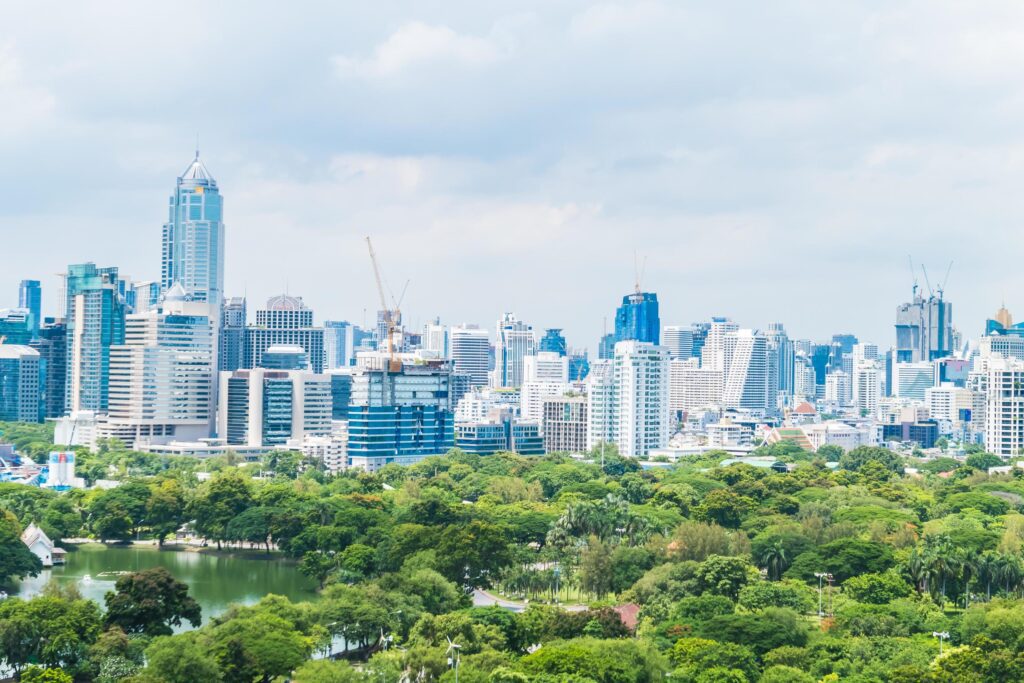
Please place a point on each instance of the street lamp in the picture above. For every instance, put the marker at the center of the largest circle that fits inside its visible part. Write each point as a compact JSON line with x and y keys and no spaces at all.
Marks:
{"x":941,"y":635}
{"x":822,"y":576}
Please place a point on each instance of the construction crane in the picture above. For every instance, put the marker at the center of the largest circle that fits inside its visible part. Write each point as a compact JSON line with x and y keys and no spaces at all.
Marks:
{"x":392,"y":314}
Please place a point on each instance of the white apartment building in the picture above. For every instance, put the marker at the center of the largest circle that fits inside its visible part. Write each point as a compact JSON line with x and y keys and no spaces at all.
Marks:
{"x":1004,"y":415}
{"x":545,"y":375}
{"x":435,"y":339}
{"x":692,"y":387}
{"x":162,"y":379}
{"x":515,"y":341}
{"x":678,"y":339}
{"x":261,"y":407}
{"x":910,"y":380}
{"x":804,"y":379}
{"x":628,"y":399}
{"x":866,"y":387}
{"x":716,"y":354}
{"x":835,"y":433}
{"x":945,"y":402}
{"x":746,"y":381}
{"x":837,"y":388}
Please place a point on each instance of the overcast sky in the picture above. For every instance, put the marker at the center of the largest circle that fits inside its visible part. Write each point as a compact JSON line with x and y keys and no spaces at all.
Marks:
{"x":771,"y":161}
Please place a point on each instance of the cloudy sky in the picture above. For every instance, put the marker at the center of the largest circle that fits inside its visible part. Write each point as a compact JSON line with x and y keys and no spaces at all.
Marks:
{"x":771,"y":161}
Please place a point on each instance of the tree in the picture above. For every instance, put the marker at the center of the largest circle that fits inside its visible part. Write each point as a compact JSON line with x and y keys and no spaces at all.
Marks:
{"x":843,"y":558}
{"x":258,"y":646}
{"x":473,"y":554}
{"x":761,"y":632}
{"x":226,"y":495}
{"x":150,"y":602}
{"x":855,"y":459}
{"x":54,"y":630}
{"x":326,"y":671}
{"x":774,"y":559}
{"x":181,"y":659}
{"x":16,"y":560}
{"x":785,"y":674}
{"x":694,"y":655}
{"x":318,"y":565}
{"x":877,"y":589}
{"x":165,"y":509}
{"x":36,"y":674}
{"x":118,"y":513}
{"x":764,"y":594}
{"x":723,"y":575}
{"x":982,"y":461}
{"x":252,"y":526}
{"x":723,"y":507}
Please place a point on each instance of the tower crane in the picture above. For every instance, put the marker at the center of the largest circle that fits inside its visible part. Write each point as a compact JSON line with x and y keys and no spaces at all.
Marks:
{"x":392,"y":314}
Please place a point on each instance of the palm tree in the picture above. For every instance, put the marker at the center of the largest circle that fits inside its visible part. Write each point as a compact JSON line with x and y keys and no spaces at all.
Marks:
{"x":917,"y":570}
{"x":986,"y":570}
{"x":775,"y":560}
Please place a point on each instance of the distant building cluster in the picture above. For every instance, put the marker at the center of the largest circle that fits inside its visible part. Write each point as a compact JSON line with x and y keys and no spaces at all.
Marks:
{"x":172,"y":365}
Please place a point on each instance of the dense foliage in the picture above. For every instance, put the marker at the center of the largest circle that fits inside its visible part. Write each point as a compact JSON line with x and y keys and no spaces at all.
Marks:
{"x":737,"y":573}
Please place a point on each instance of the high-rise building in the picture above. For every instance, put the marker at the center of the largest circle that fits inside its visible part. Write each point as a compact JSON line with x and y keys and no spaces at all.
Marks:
{"x":514,"y":341}
{"x":435,"y":339}
{"x":716,"y":353}
{"x":553,"y":341}
{"x":564,"y":424}
{"x":261,"y":408}
{"x":504,"y":433}
{"x":95,"y":315}
{"x":30,"y":298}
{"x":837,"y":388}
{"x":544,"y":375}
{"x":606,"y":347}
{"x":692,"y":387}
{"x":924,"y":329}
{"x":285,"y":358}
{"x":470,"y":348}
{"x":910,"y":380}
{"x":950,"y":403}
{"x":628,"y":399}
{"x":143,"y":296}
{"x":579,"y":365}
{"x":804,"y":378}
{"x":637,"y":318}
{"x":15,"y":326}
{"x":1004,"y":414}
{"x":232,"y":334}
{"x":780,"y":361}
{"x":193,"y":237}
{"x":399,"y":417}
{"x":162,"y":378}
{"x":21,"y":381}
{"x":866,"y":387}
{"x":286,"y":321}
{"x":52,"y":345}
{"x":746,"y":380}
{"x":678,"y":339}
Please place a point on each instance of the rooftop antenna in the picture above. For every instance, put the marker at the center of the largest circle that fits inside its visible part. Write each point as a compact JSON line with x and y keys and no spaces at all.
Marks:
{"x":913,"y":275}
{"x":197,"y":144}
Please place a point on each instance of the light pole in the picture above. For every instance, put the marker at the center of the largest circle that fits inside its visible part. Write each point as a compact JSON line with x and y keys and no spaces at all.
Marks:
{"x":941,"y":635}
{"x":821,"y":576}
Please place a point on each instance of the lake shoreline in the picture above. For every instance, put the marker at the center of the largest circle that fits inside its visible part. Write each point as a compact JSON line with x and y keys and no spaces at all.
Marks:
{"x":226,"y":550}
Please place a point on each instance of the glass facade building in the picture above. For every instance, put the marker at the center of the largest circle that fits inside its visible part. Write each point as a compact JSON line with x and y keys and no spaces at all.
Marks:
{"x":193,"y":237}
{"x":95,"y":315}
{"x":637,"y":318}
{"x":21,"y":380}
{"x":553,"y":341}
{"x":30,"y":297}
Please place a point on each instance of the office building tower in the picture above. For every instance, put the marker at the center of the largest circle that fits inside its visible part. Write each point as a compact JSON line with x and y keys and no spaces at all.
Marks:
{"x":15,"y":326}
{"x":564,"y":424}
{"x":143,"y":296}
{"x":700,"y":336}
{"x":285,"y":358}
{"x":400,"y":417}
{"x":715,"y":354}
{"x":458,"y":386}
{"x":1007,"y":346}
{"x":637,"y":318}
{"x":341,"y":392}
{"x":864,"y":351}
{"x":267,"y":408}
{"x":545,"y":375}
{"x":286,"y":321}
{"x":746,"y":380}
{"x":339,"y":344}
{"x":606,"y":347}
{"x":21,"y":382}
{"x":910,"y":380}
{"x":514,"y":341}
{"x":845,"y":343}
{"x":950,"y":403}
{"x":628,"y":399}
{"x":924,"y":329}
{"x":30,"y":298}
{"x":866,"y":387}
{"x":820,"y":356}
{"x":162,"y":378}
{"x":232,"y":334}
{"x":503,"y":434}
{"x":435,"y":339}
{"x":579,"y":365}
{"x":470,"y":349}
{"x":692,"y":387}
{"x":1004,"y":414}
{"x":780,"y":361}
{"x":553,"y":341}
{"x":678,"y":339}
{"x":193,"y":237}
{"x":95,"y":315}
{"x":52,"y":345}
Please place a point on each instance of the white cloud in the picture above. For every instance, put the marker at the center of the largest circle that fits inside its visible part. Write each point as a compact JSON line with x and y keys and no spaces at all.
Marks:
{"x":25,"y":106}
{"x":417,"y":44}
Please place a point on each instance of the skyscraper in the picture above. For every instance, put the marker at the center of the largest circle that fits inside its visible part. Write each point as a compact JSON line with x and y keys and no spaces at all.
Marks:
{"x":15,"y":326}
{"x":52,"y":345}
{"x":637,"y":318}
{"x":470,"y":348}
{"x":924,"y":329}
{"x":514,"y":341}
{"x":780,"y":360}
{"x":286,"y":321}
{"x":678,"y":339}
{"x":193,"y":237}
{"x":95,"y":315}
{"x":1004,"y":414}
{"x":746,"y":381}
{"x":261,"y":408}
{"x":232,"y":334}
{"x":553,"y":341}
{"x":30,"y":297}
{"x":20,"y":384}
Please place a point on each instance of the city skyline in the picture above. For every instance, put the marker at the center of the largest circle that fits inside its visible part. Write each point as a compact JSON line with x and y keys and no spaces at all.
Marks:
{"x":764,"y":194}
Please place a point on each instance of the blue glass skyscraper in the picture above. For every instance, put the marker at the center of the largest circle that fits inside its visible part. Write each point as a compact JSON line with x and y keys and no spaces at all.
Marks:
{"x":553,"y":341}
{"x":95,"y":315}
{"x":193,"y":237}
{"x":637,"y":318}
{"x":30,"y":297}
